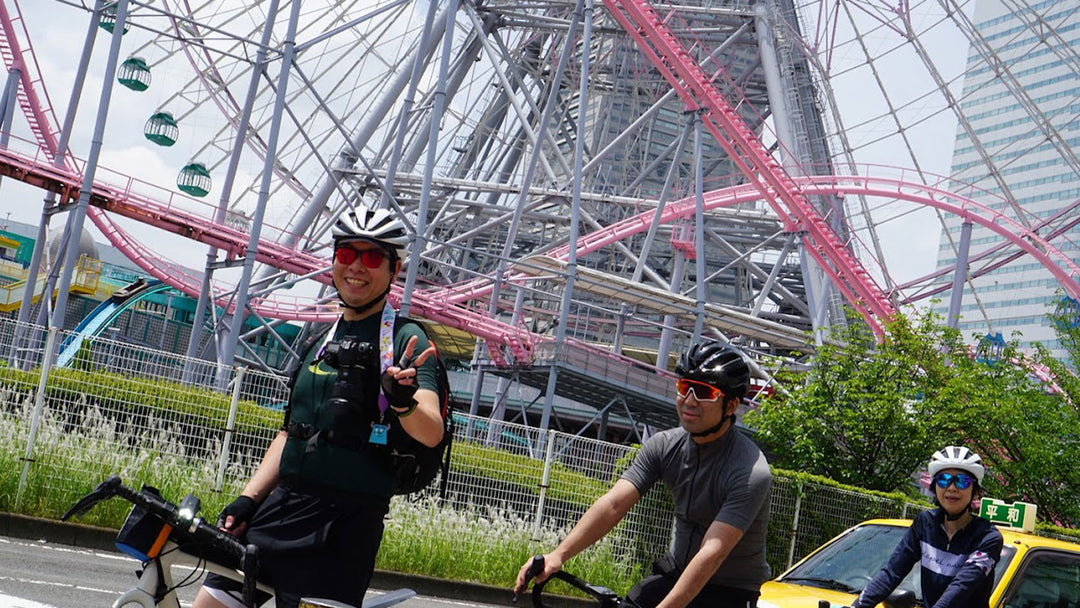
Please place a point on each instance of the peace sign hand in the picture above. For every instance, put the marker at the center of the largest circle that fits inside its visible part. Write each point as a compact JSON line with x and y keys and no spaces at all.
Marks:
{"x":399,"y":381}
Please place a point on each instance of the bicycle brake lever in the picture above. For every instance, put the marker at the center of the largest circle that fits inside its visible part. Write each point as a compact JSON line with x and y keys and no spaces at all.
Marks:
{"x":103,"y":491}
{"x":535,"y":568}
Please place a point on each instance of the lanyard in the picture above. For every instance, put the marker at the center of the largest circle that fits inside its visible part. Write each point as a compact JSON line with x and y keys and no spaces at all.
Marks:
{"x":386,"y":346}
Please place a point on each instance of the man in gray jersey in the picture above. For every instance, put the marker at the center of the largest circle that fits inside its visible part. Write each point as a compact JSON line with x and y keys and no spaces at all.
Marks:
{"x":720,"y":483}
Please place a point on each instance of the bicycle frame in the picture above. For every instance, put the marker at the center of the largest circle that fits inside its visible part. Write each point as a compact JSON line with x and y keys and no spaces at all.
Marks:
{"x":155,"y":587}
{"x":156,"y":578}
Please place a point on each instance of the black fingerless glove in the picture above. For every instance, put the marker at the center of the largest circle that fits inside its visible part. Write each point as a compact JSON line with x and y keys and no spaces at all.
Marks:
{"x":400,"y":396}
{"x":241,"y":510}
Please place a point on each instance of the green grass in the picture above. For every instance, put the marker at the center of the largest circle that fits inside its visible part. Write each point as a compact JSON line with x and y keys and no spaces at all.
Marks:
{"x":480,"y":544}
{"x":484,"y":545}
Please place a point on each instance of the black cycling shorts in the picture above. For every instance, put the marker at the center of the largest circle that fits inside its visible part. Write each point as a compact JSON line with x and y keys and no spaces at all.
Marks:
{"x":312,"y":544}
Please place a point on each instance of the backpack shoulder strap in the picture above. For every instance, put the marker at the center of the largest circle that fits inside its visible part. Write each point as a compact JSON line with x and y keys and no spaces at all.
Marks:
{"x":401,"y":321}
{"x":293,"y":370}
{"x":440,"y":368}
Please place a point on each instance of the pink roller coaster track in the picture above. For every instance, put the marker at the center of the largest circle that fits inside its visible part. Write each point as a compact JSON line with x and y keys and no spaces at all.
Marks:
{"x":787,"y":195}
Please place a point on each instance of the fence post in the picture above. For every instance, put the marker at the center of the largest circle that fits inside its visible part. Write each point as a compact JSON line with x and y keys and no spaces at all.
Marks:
{"x":544,"y":484}
{"x":39,"y":407}
{"x":795,"y":525}
{"x":230,"y":425}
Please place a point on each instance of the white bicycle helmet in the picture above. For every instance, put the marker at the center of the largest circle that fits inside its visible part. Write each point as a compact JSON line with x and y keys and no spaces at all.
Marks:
{"x":378,"y":226}
{"x":957,"y":457}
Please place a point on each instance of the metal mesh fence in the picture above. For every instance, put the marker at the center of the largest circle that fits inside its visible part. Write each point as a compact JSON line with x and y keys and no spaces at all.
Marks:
{"x":183,"y":425}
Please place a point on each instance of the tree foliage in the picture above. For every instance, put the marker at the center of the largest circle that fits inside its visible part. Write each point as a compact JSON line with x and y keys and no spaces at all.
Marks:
{"x":864,"y":413}
{"x":869,"y":412}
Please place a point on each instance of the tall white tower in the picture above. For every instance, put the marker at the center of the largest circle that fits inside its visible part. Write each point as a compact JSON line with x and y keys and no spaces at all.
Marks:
{"x":1018,"y":141}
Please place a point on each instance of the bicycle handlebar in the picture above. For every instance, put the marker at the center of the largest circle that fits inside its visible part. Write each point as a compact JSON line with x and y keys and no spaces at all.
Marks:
{"x":605,"y":598}
{"x":184,"y":521}
{"x":182,"y":518}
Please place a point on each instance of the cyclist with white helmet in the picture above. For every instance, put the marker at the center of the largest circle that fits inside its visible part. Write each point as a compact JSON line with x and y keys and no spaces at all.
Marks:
{"x":315,"y":505}
{"x":719,"y":481}
{"x":956,"y":549}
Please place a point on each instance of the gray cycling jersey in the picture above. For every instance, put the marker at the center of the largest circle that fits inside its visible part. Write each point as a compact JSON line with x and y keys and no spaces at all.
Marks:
{"x":727,"y":480}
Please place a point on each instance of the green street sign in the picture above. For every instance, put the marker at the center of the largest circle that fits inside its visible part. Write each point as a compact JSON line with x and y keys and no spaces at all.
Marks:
{"x":1018,"y":515}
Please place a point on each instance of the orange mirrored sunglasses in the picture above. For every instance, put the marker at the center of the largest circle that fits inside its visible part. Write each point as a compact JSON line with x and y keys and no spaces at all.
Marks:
{"x":702,"y":391}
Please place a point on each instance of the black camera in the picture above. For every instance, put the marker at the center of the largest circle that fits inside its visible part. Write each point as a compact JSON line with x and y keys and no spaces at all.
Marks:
{"x":357,"y":362}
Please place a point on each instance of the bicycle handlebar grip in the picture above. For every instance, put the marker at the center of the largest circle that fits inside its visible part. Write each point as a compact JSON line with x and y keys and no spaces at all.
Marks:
{"x":535,"y":568}
{"x":221,"y":541}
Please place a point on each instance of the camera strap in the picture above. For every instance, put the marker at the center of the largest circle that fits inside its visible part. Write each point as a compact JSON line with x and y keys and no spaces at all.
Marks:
{"x":386,"y":346}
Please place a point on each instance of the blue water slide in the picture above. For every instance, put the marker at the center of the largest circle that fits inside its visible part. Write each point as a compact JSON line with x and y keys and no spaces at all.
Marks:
{"x":101,"y":317}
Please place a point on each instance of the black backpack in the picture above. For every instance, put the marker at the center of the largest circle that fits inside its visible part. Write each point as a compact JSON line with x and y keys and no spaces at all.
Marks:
{"x":415,"y":465}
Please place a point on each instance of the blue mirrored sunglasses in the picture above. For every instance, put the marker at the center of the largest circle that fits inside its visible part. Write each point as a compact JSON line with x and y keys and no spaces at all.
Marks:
{"x":962,"y":481}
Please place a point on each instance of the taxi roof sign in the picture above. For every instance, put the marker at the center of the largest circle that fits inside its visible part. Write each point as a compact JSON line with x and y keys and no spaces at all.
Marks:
{"x":1017,"y":515}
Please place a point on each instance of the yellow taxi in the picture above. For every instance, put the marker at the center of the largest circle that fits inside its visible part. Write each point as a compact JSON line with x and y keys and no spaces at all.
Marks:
{"x":1034,"y":571}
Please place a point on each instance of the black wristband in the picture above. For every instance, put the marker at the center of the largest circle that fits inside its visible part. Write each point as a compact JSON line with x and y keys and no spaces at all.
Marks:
{"x":404,"y":412}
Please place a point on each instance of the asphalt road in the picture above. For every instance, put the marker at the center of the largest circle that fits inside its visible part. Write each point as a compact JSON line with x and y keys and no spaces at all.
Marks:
{"x":42,"y":574}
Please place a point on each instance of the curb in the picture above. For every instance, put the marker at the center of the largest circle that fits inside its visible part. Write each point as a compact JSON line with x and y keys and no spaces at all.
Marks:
{"x":101,"y":539}
{"x":54,"y":531}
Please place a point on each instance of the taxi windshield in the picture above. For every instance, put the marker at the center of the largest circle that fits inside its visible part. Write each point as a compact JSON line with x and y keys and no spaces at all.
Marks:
{"x":850,"y":562}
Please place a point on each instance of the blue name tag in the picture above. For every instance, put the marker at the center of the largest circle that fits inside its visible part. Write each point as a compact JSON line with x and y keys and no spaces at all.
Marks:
{"x":378,"y":434}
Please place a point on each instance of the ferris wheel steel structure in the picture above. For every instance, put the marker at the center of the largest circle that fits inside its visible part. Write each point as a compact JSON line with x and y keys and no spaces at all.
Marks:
{"x":543,"y":152}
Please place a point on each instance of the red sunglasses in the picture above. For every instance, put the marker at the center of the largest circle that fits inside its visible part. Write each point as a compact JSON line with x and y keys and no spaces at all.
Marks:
{"x":702,"y":391}
{"x":371,"y":258}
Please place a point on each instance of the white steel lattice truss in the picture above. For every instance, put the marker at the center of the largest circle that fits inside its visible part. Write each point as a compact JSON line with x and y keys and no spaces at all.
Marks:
{"x":612,"y":176}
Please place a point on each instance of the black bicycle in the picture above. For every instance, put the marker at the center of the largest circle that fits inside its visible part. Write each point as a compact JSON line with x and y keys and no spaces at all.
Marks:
{"x":161,"y":535}
{"x":605,"y":598}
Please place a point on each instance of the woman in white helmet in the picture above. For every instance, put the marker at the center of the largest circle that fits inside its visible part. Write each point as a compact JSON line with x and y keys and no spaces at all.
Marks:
{"x":956,"y":549}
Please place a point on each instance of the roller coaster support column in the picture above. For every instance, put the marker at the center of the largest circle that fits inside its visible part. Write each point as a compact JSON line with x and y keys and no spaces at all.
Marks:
{"x":59,"y":155}
{"x":498,"y":404}
{"x":960,"y":276}
{"x":522,"y":202}
{"x":699,"y":229}
{"x":620,"y":328}
{"x":438,"y":106}
{"x":575,"y":202}
{"x":791,"y":156}
{"x":226,"y":189}
{"x":387,"y":199}
{"x":663,"y":351}
{"x":240,"y":313}
{"x":677,"y":271}
{"x":76,"y":221}
{"x":7,"y":105}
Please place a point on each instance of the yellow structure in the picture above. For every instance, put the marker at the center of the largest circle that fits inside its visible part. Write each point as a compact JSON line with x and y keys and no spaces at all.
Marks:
{"x":84,"y":281}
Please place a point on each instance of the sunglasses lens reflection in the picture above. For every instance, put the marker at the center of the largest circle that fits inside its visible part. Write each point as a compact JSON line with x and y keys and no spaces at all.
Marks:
{"x":960,"y":480}
{"x":371,"y":258}
{"x":702,"y":391}
{"x":345,"y":255}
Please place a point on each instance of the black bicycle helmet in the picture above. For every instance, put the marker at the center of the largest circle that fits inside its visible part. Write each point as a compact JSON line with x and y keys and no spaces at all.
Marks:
{"x":378,"y":226}
{"x":717,"y":364}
